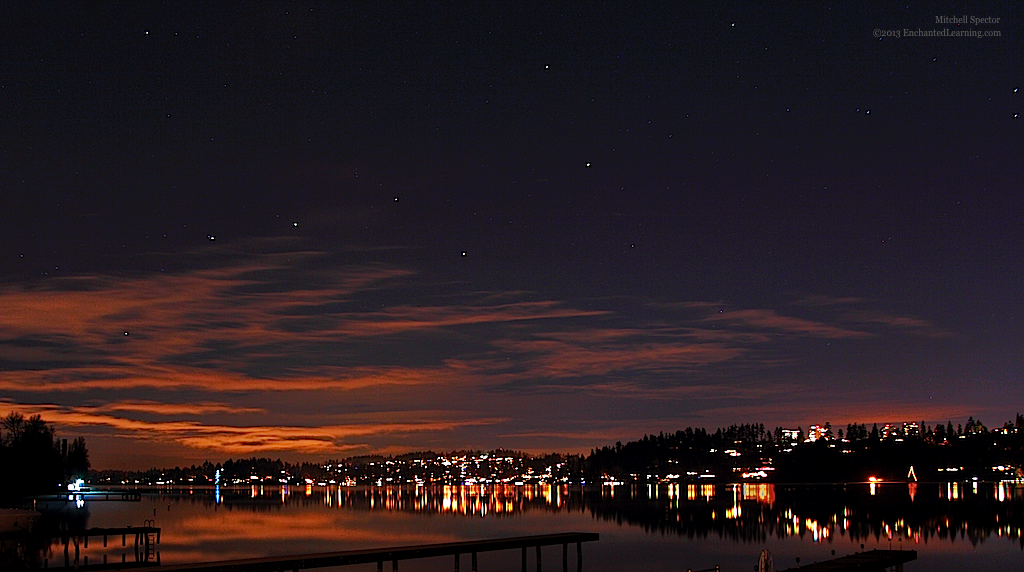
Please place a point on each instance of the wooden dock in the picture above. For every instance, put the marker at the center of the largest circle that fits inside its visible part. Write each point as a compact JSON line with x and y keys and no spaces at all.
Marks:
{"x":123,"y":531}
{"x":870,"y":561}
{"x":145,"y":539}
{"x":394,"y":554}
{"x":89,"y":495}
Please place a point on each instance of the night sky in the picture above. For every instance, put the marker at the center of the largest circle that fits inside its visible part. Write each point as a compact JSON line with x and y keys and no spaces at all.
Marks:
{"x":312,"y":231}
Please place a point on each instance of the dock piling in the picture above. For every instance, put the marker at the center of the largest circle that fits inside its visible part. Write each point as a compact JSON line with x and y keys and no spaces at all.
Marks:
{"x":394,"y":554}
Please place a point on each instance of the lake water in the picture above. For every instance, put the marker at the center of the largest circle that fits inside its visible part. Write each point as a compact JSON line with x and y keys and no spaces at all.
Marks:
{"x":953,"y":526}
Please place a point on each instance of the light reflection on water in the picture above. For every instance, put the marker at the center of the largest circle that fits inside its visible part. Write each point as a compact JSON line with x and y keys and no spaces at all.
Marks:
{"x":643,"y":527}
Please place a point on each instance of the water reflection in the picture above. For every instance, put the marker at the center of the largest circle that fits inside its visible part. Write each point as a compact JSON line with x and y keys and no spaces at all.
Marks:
{"x":216,"y":523}
{"x":897,"y":512}
{"x":35,"y":550}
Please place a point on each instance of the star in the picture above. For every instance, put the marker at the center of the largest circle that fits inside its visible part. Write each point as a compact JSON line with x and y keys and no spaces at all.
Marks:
{"x":211,"y":237}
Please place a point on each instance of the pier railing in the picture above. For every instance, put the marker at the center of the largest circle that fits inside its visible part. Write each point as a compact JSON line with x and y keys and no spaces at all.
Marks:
{"x":862,"y":561}
{"x":145,"y":540}
{"x":395,"y":554}
{"x":74,"y":496}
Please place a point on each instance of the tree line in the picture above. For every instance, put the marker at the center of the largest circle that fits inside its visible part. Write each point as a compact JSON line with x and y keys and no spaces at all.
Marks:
{"x":941,"y":452}
{"x":821,"y":454}
{"x":34,"y":461}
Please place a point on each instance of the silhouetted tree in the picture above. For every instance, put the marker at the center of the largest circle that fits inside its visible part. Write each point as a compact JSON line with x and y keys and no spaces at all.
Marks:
{"x":32,"y":461}
{"x":76,"y":462}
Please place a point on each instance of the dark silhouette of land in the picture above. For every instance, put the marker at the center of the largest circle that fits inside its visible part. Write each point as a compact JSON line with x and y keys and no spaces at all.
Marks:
{"x":937,"y":453}
{"x":34,"y":461}
{"x":733,"y":454}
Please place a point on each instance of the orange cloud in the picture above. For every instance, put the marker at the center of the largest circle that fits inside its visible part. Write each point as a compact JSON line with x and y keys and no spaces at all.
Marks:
{"x":239,"y":439}
{"x":287,"y":335}
{"x":559,"y":359}
{"x":201,"y":329}
{"x":160,"y":408}
{"x":177,"y":378}
{"x":771,"y":320}
{"x":911,"y":324}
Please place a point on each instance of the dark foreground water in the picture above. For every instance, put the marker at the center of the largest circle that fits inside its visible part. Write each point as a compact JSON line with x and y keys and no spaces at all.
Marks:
{"x":953,"y":526}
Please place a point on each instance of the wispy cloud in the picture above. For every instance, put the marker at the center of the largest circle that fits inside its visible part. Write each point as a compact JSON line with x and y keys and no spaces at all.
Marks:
{"x":824,"y":301}
{"x":189,"y":358}
{"x":104,"y":332}
{"x":230,"y":439}
{"x":772,"y":320}
{"x":558,"y":359}
{"x":910,"y":324}
{"x":177,"y":378}
{"x":159,"y":408}
{"x":852,"y":310}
